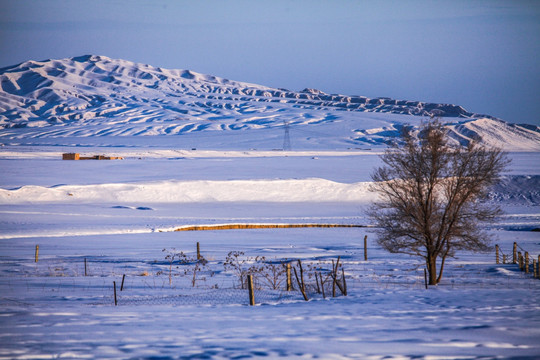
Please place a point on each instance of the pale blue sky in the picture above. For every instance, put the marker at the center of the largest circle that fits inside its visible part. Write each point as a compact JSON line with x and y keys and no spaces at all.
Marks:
{"x":483,"y":55}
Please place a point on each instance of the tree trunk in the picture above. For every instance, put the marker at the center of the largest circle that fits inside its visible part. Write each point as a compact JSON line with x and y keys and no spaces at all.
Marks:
{"x":431,"y":263}
{"x":441,"y":269}
{"x":443,"y":259}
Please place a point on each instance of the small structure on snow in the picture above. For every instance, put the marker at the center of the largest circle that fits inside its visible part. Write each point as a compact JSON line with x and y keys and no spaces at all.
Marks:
{"x":77,"y":156}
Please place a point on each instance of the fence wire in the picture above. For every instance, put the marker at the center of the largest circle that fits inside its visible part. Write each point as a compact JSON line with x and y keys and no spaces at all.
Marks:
{"x":64,"y":279}
{"x":210,"y":297}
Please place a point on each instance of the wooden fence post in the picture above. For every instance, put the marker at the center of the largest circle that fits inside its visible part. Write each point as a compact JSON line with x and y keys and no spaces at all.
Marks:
{"x":514,"y":258}
{"x":538,"y":267}
{"x":334,"y":275}
{"x":333,"y":283}
{"x":37,"y":253}
{"x":497,"y":254}
{"x":289,"y":280}
{"x":535,"y":271}
{"x":300,"y":285}
{"x":251,"y":291}
{"x":526,"y":262}
{"x":303,"y":285}
{"x":344,"y":282}
{"x":122,"y":286}
{"x":198,"y":251}
{"x":520,"y":259}
{"x":322,"y":285}
{"x":115,"y":300}
{"x":365,"y":248}
{"x":334,"y":267}
{"x":85,"y":268}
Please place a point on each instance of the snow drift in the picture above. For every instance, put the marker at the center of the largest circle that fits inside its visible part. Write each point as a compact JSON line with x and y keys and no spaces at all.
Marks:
{"x":202,"y":191}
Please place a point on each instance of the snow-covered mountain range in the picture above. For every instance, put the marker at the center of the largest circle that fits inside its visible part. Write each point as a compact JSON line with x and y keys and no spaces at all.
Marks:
{"x":95,"y":96}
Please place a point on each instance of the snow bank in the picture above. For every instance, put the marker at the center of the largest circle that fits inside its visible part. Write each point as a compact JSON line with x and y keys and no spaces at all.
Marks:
{"x":305,"y":190}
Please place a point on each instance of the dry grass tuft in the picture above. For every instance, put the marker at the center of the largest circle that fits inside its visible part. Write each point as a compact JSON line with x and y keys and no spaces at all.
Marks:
{"x":262,"y":226}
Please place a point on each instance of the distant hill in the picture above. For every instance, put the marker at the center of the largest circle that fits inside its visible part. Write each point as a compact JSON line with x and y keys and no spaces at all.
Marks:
{"x":95,"y":96}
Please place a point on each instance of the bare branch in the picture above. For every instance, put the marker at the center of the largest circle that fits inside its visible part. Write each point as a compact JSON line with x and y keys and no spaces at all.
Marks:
{"x":431,"y":195}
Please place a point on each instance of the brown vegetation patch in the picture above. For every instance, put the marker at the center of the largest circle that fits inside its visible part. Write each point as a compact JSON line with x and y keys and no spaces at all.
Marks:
{"x":263,"y":226}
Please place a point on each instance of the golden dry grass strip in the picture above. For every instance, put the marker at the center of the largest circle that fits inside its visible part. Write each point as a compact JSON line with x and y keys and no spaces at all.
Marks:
{"x":263,"y":226}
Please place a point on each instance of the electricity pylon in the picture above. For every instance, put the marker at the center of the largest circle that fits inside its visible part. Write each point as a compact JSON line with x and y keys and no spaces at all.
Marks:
{"x":286,"y":138}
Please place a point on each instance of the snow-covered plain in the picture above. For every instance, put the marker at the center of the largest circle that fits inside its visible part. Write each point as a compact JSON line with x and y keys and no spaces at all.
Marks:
{"x":119,"y":218}
{"x":119,"y":215}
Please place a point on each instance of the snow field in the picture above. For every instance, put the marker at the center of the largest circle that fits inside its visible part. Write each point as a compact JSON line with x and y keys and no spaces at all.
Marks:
{"x":480,"y":310}
{"x":203,"y":150}
{"x":50,"y":309}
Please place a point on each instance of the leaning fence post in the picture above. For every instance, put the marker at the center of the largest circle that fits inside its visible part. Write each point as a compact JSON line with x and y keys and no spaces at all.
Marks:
{"x":122,"y":285}
{"x":334,"y":275}
{"x":37,"y":253}
{"x":300,"y":285}
{"x":497,"y":254}
{"x":365,"y":248}
{"x":333,"y":283}
{"x":303,"y":285}
{"x":344,"y":282}
{"x":514,"y":257}
{"x":322,"y":285}
{"x":334,"y":270}
{"x":250,"y":289}
{"x":526,"y":262}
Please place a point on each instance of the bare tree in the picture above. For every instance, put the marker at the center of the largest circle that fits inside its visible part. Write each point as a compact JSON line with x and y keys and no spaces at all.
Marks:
{"x":431,"y":196}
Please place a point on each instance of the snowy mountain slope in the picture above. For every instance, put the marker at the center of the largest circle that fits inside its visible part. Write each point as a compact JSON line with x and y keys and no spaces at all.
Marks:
{"x":95,"y":96}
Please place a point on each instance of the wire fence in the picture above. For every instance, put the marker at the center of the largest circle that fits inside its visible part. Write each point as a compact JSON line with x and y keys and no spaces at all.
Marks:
{"x":211,"y":297}
{"x":182,"y":280}
{"x":527,"y":263}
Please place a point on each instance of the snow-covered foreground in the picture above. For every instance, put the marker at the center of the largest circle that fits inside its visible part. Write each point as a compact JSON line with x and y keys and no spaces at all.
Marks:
{"x":118,"y":215}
